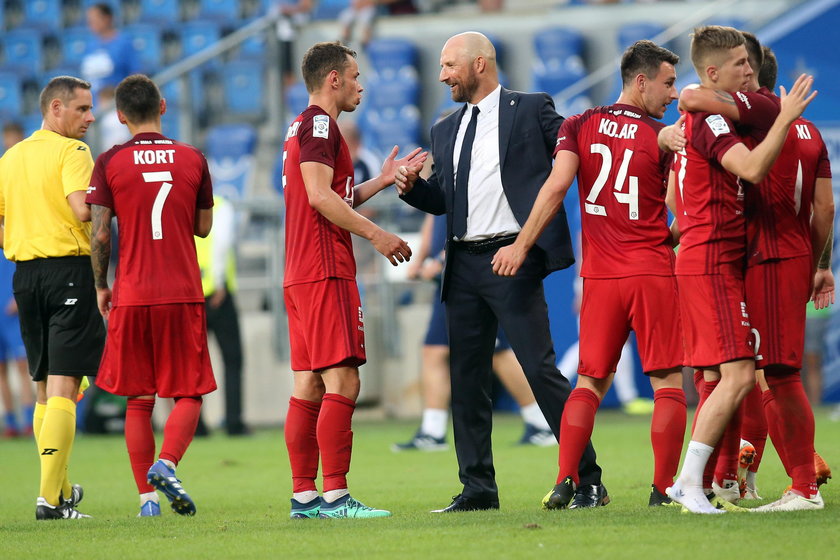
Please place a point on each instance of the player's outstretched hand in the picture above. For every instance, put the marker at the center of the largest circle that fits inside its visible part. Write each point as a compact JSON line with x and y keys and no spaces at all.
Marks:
{"x":414,"y":160}
{"x":507,"y":260}
{"x":823,"y":294}
{"x":672,"y":137}
{"x":103,"y":301}
{"x":395,"y":249}
{"x":800,"y":95}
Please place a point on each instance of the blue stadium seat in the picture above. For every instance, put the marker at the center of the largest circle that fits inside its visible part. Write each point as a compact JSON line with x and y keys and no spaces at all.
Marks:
{"x":383,"y":129}
{"x":42,"y":14}
{"x":242,"y":81}
{"x":11,"y":94}
{"x":170,"y":123}
{"x":556,"y":79}
{"x":297,"y":99}
{"x":558,"y":43}
{"x":65,"y":70}
{"x":224,"y":11}
{"x":74,"y":41}
{"x":632,"y":32}
{"x":147,"y":43}
{"x":329,"y":9}
{"x":197,"y":35}
{"x":230,"y":152}
{"x":32,"y":122}
{"x":382,"y":93}
{"x":391,"y":54}
{"x":24,"y":50}
{"x":253,"y":47}
{"x":165,"y":12}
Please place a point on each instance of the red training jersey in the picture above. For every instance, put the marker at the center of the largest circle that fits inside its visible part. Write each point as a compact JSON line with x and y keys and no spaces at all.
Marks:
{"x":316,"y":248}
{"x":154,"y":186}
{"x":710,"y":200}
{"x":622,"y":182}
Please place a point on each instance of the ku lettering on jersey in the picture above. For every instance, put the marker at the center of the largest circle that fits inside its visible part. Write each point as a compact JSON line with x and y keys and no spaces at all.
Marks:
{"x":622,"y":181}
{"x":154,"y":185}
{"x":315,"y":247}
{"x":709,"y":199}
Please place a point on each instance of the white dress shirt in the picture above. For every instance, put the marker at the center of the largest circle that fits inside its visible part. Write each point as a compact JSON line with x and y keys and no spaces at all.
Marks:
{"x":488,"y":212}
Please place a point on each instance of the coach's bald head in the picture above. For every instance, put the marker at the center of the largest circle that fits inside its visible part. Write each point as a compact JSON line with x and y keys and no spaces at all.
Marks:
{"x":468,"y":66}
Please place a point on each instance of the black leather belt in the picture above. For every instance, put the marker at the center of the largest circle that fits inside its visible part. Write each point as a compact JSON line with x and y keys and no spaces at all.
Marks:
{"x":485,"y":245}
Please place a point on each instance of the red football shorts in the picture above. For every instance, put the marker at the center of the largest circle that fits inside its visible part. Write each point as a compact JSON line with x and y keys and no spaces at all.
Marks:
{"x":716,"y":326}
{"x":611,"y":308}
{"x":777,"y":294}
{"x":326,"y":326}
{"x":157,"y":349}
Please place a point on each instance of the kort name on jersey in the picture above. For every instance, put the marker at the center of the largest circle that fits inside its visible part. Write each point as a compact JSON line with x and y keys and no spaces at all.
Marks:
{"x":151,"y":157}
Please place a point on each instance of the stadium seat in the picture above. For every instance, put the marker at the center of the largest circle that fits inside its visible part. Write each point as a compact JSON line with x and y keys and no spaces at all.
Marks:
{"x":63,"y":70}
{"x":253,"y":47}
{"x":171,"y":122}
{"x":73,"y":42}
{"x":383,"y":129}
{"x":554,"y":79}
{"x":11,"y":94}
{"x":297,"y":99}
{"x":736,"y":22}
{"x":396,"y":93}
{"x":162,"y":12}
{"x":43,"y":14}
{"x":223,"y":11}
{"x":391,"y":54}
{"x":147,"y":43}
{"x":230,"y":150}
{"x":197,"y":35}
{"x":329,"y":9}
{"x":558,"y":43}
{"x":242,"y":81}
{"x":31,"y":122}
{"x":632,"y":32}
{"x":24,"y":50}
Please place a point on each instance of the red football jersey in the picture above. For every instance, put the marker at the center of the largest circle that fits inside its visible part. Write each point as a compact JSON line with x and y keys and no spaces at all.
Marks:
{"x":316,"y":248}
{"x":622,"y":182}
{"x":710,"y":200}
{"x":154,"y":186}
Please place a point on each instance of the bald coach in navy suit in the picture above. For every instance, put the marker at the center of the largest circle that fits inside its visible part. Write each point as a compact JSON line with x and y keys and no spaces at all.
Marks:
{"x":491,"y":158}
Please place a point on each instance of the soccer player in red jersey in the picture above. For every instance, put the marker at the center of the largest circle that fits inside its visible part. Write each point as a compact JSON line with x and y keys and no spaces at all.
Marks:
{"x":710,"y":218}
{"x":326,"y":327}
{"x":789,"y":220}
{"x":160,"y":191}
{"x":628,"y":261}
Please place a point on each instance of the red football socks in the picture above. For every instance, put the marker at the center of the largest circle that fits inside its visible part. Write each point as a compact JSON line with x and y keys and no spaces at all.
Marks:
{"x":302,"y":443}
{"x":140,"y":440}
{"x":180,"y":428}
{"x":754,"y":427}
{"x":796,"y":430}
{"x":575,"y":430}
{"x":707,"y":388}
{"x":667,"y":430}
{"x":726,"y":465}
{"x":335,"y":439}
{"x":771,"y":414}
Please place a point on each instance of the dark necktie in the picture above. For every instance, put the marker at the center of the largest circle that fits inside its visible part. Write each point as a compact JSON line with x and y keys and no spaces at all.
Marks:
{"x":460,"y":210}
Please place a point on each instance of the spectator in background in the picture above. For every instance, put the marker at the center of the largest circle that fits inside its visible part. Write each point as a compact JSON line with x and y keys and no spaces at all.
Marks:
{"x":109,"y":56}
{"x":363,"y":13}
{"x":295,"y":15}
{"x":12,"y":134}
{"x":218,"y":280}
{"x":365,"y":163}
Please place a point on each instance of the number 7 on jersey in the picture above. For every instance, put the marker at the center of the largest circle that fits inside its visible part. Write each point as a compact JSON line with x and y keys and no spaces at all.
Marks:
{"x":162,"y":177}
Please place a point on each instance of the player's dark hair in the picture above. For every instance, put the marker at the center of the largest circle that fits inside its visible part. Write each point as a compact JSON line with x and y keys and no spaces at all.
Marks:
{"x":711,"y":41}
{"x":769,"y":69}
{"x":644,"y":57}
{"x":755,"y":56}
{"x":138,"y":98}
{"x":60,"y":87}
{"x":320,"y":60}
{"x":104,"y":9}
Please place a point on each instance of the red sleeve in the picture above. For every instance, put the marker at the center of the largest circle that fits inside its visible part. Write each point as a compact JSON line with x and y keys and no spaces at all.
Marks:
{"x":567,"y":135}
{"x":99,"y":192}
{"x":757,"y":109}
{"x":824,"y":163}
{"x":712,"y":135}
{"x":319,"y":140}
{"x":205,"y":189}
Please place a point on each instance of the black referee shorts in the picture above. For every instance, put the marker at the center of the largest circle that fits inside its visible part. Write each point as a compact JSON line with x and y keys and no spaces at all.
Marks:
{"x":60,"y":323}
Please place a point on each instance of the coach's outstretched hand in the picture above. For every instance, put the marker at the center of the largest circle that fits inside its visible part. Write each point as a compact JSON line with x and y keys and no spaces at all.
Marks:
{"x":414,"y":161}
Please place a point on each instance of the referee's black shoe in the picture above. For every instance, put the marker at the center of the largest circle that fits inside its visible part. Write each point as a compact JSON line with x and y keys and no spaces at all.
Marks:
{"x":465,"y":503}
{"x":590,"y":496}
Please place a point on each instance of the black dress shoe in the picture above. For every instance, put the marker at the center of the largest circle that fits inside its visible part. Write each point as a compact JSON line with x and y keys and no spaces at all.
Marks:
{"x":465,"y":503}
{"x":590,"y":496}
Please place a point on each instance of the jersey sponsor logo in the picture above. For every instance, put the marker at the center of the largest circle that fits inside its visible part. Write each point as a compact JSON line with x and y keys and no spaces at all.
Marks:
{"x":151,"y":157}
{"x":743,"y":99}
{"x":321,"y":126}
{"x":803,"y":132}
{"x":610,"y":128}
{"x":71,"y":301}
{"x":49,"y":451}
{"x":717,"y":124}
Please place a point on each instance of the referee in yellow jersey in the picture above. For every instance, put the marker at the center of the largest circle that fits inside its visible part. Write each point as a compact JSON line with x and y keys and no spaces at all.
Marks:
{"x":46,"y":231}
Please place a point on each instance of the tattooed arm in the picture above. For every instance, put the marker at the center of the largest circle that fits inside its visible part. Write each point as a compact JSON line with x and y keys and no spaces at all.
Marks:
{"x":100,"y":255}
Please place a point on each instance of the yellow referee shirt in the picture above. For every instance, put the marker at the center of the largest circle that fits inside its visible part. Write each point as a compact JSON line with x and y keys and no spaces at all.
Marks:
{"x":36,"y":175}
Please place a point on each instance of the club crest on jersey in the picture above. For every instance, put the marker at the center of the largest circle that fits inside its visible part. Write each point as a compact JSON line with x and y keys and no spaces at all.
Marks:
{"x":717,"y":124}
{"x":321,"y":126}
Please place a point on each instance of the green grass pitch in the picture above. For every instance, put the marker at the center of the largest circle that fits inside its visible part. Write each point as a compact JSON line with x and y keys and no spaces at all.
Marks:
{"x":242,"y":489}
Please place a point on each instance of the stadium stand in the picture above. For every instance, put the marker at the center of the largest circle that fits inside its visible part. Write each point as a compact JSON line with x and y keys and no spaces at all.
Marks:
{"x":73,"y":43}
{"x":147,"y":42}
{"x":163,"y":12}
{"x":297,"y":99}
{"x":46,"y":15}
{"x":11,"y":95}
{"x":226,"y":12}
{"x":230,"y":150}
{"x":240,"y":79}
{"x":329,"y":9}
{"x":24,"y":51}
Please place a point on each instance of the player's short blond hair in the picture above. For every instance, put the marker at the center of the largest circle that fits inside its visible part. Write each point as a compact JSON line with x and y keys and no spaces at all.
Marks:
{"x":711,"y":44}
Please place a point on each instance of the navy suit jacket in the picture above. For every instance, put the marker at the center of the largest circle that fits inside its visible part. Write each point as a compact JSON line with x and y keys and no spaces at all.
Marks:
{"x":528,"y":126}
